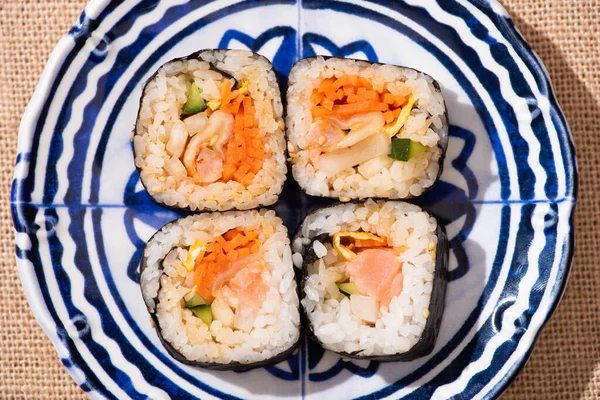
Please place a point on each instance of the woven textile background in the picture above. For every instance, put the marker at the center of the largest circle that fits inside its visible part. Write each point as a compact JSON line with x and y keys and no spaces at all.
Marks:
{"x":565,"y":34}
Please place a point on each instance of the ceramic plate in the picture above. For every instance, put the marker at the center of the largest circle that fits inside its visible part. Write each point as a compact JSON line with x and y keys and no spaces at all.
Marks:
{"x":506,"y":195}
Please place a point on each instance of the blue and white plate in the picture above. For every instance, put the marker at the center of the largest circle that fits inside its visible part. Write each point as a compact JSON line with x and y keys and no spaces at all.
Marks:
{"x":506,"y":195}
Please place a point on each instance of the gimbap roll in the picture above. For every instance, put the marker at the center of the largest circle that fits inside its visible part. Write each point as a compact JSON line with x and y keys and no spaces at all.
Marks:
{"x":209,"y":133}
{"x":221,"y":289}
{"x":374,"y":279}
{"x":358,"y":129}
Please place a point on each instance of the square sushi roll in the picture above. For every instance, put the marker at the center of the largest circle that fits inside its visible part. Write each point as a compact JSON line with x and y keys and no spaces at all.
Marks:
{"x":221,"y":289}
{"x":358,"y":129}
{"x":373,"y":279}
{"x":210,"y":134}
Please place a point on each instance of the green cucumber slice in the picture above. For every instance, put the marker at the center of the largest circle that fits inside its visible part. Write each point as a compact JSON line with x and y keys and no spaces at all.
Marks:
{"x":348,"y":288}
{"x":405,"y":149}
{"x":195,"y":103}
{"x":203,"y":312}
{"x":196,"y":301}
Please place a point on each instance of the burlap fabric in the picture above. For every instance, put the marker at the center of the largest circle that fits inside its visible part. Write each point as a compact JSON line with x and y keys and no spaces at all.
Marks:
{"x":565,"y":34}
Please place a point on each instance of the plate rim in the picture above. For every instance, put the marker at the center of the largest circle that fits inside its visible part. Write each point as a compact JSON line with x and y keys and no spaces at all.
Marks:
{"x":31,"y":115}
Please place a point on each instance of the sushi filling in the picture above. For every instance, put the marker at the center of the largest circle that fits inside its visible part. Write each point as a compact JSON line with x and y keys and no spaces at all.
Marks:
{"x":368,"y":292}
{"x":361,"y":130}
{"x":224,"y":142}
{"x":226,"y":294}
{"x":209,"y":133}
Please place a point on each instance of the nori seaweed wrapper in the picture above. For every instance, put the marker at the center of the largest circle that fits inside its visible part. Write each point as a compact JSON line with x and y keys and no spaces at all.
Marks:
{"x":194,"y":56}
{"x":232,"y":366}
{"x":428,"y":338}
{"x":444,"y":133}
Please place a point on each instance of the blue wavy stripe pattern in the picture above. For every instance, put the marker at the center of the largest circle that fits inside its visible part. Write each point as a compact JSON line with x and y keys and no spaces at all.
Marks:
{"x":526,"y":54}
{"x":26,"y":224}
{"x":110,"y":328}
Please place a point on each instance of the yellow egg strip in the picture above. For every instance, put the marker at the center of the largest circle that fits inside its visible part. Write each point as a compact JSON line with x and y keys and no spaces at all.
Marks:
{"x":196,"y":250}
{"x":344,"y":251}
{"x":393,"y":128}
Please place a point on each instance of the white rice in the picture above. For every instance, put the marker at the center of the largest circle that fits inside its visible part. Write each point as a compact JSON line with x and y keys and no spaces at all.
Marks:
{"x":399,"y":327}
{"x":427,"y":125}
{"x":273,"y":329}
{"x":162,"y":102}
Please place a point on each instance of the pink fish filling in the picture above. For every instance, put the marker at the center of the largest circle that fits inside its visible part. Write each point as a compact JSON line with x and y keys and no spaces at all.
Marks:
{"x":377,"y":273}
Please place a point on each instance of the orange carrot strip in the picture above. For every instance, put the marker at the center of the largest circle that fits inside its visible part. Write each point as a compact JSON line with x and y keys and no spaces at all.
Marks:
{"x":347,"y":109}
{"x":396,"y":112}
{"x":231,"y":151}
{"x":239,"y":122}
{"x":255,"y":247}
{"x":228,"y":171}
{"x":331,"y":95}
{"x":250,"y":131}
{"x":224,"y":245}
{"x":248,"y":117}
{"x":229,"y":160}
{"x":200,"y":281}
{"x":250,"y":150}
{"x":389,"y":116}
{"x":199,"y":259}
{"x":325,"y":85}
{"x":352,"y":98}
{"x":327,"y":103}
{"x":228,"y":108}
{"x":225,"y":92}
{"x":361,"y":91}
{"x":241,"y":151}
{"x":243,"y":251}
{"x":349,"y":80}
{"x":316,"y":98}
{"x":239,"y":240}
{"x":366,"y":83}
{"x":233,"y":158}
{"x":222,"y":259}
{"x":231,"y":234}
{"x":319,"y":111}
{"x":399,"y":100}
{"x":342,"y":80}
{"x":348,"y":90}
{"x":232,"y":255}
{"x":247,"y":179}
{"x":256,"y":165}
{"x":388,"y":98}
{"x":259,"y":152}
{"x":371,"y":95}
{"x":339,"y":94}
{"x":236,"y":104}
{"x":241,"y":171}
{"x":251,"y":235}
{"x":234,"y":242}
{"x":336,"y":85}
{"x":247,"y":102}
{"x":217,"y":248}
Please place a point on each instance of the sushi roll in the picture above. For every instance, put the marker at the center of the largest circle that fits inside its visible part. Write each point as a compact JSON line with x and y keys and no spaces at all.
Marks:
{"x":221,"y":289}
{"x":358,"y":129}
{"x":373,"y":279}
{"x":210,"y":134}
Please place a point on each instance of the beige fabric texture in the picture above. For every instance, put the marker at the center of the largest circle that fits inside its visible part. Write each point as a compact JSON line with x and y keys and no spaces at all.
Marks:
{"x":566,"y":360}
